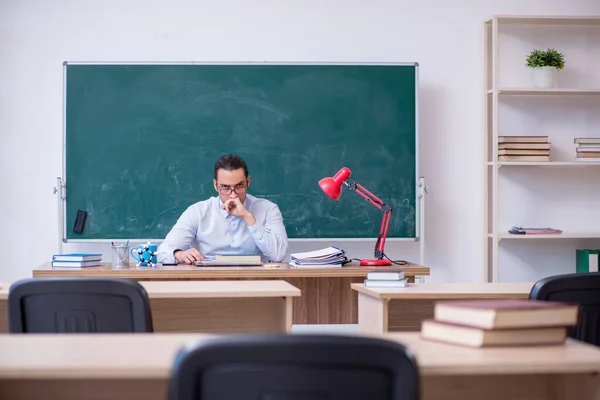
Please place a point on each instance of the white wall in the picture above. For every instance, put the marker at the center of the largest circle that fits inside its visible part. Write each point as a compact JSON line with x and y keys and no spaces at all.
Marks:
{"x":444,"y":36}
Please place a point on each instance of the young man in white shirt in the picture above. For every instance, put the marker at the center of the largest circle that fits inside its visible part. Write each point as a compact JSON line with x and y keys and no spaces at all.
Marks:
{"x":232,"y":223}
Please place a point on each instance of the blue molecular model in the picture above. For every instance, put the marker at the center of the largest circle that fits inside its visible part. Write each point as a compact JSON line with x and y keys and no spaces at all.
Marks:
{"x":146,"y":257}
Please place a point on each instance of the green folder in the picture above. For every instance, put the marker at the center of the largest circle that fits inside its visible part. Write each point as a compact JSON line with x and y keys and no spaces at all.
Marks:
{"x":586,"y":260}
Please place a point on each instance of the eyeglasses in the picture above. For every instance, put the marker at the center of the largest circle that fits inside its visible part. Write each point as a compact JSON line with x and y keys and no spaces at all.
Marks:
{"x":239,"y":189}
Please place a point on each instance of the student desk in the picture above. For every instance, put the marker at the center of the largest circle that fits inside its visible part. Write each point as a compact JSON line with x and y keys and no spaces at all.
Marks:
{"x":326,"y":294}
{"x":211,"y":306}
{"x":138,"y":366}
{"x":402,"y":309}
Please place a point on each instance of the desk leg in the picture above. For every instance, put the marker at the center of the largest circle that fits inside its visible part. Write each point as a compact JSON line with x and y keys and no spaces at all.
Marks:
{"x":372,"y":314}
{"x":289,"y":314}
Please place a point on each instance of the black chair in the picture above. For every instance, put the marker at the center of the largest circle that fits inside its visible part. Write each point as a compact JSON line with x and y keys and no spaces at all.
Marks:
{"x":294,"y":367}
{"x":582,"y":289}
{"x":78,"y":305}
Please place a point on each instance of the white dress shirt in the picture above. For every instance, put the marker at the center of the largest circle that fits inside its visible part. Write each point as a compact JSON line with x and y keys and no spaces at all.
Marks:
{"x":213,"y":231}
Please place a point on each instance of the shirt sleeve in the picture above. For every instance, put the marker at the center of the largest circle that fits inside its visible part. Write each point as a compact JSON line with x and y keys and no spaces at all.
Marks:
{"x":180,"y":237}
{"x":271,"y":238}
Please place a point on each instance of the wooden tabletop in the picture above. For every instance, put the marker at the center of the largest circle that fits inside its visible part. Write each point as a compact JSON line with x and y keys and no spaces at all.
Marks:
{"x":208,"y":289}
{"x":450,"y":290}
{"x":193,"y":272}
{"x":150,"y":356}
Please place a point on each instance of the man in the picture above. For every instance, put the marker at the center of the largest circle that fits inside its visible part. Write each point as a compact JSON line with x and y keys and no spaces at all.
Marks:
{"x":232,"y":223}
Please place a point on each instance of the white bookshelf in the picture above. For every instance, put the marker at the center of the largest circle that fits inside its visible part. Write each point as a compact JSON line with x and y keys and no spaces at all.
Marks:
{"x":542,"y":192}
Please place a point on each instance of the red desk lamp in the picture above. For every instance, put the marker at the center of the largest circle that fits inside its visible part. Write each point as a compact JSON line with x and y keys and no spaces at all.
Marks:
{"x":333,"y":188}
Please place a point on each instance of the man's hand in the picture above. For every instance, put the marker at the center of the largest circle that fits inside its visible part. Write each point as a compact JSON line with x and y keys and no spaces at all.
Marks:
{"x":236,"y":208}
{"x":188,"y":256}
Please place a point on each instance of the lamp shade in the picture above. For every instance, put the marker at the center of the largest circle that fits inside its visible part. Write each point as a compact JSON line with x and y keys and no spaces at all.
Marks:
{"x":333,"y":186}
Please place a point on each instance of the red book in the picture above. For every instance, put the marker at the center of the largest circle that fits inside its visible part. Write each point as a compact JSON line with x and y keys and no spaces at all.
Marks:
{"x":506,"y":313}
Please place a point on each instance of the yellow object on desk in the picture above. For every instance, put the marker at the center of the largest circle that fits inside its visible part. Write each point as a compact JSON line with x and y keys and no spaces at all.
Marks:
{"x":271,"y":265}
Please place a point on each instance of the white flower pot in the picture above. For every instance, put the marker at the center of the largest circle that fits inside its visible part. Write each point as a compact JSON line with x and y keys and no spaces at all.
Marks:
{"x":544,"y":77}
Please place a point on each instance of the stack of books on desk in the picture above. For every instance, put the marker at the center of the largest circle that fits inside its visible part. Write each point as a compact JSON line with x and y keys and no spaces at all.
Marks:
{"x":500,"y":322}
{"x":329,"y":257}
{"x":76,"y":260}
{"x":386,"y":278}
{"x":523,"y":148}
{"x":588,"y":149}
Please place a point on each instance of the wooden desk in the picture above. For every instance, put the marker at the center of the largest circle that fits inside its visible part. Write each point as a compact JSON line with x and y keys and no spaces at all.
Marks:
{"x":211,"y":306}
{"x":138,"y":366}
{"x":402,"y":309}
{"x":326,"y":294}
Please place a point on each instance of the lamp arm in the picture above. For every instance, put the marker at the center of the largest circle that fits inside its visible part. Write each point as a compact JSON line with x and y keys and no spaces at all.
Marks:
{"x":380,"y":204}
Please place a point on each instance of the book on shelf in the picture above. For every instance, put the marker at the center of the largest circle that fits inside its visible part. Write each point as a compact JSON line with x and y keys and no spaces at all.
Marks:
{"x":588,"y":149}
{"x":519,"y":230}
{"x":523,"y":152}
{"x":523,"y":139}
{"x":525,"y":158}
{"x":523,"y":148}
{"x":500,"y":322}
{"x":77,"y":257}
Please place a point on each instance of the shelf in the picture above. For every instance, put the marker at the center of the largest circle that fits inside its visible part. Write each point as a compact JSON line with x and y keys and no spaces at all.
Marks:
{"x":545,"y":164}
{"x":561,"y":236}
{"x":545,"y":92}
{"x":546,"y":20}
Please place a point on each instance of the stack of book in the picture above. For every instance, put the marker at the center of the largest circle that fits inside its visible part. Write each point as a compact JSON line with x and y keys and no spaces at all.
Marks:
{"x":329,"y":257}
{"x":588,"y":149}
{"x":76,"y":260}
{"x":523,"y":148}
{"x":386,"y":278}
{"x":500,"y":322}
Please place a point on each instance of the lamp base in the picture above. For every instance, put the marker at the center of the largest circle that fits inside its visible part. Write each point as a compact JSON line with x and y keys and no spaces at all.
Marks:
{"x":377,"y":262}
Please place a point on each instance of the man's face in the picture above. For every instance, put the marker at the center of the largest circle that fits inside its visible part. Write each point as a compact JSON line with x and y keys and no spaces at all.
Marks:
{"x":228,"y":180}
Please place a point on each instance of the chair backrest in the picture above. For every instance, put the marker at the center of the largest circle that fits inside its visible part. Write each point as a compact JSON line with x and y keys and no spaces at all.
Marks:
{"x":78,"y":305}
{"x":582,"y":289}
{"x":294,"y":367}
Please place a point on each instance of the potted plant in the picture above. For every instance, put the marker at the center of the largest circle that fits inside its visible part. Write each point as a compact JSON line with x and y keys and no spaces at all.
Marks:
{"x":545,"y":65}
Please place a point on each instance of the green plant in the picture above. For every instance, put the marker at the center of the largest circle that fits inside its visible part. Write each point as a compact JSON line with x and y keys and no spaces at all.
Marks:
{"x":549,"y":58}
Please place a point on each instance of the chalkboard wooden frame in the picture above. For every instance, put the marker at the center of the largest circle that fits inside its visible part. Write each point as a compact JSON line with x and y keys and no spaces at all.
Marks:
{"x":418,"y":191}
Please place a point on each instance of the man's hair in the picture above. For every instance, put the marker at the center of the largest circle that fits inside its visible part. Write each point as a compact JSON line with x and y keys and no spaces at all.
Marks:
{"x":231,"y":162}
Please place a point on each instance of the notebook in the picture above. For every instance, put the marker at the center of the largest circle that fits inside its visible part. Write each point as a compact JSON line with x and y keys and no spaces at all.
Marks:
{"x":224,"y":263}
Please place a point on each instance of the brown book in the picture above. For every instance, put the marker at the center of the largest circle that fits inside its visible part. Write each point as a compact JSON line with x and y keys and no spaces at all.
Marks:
{"x":506,"y":313}
{"x":587,"y":141}
{"x":524,"y":158}
{"x":477,"y":337}
{"x":588,"y":154}
{"x":526,"y":146}
{"x":523,"y":152}
{"x":522,"y":139}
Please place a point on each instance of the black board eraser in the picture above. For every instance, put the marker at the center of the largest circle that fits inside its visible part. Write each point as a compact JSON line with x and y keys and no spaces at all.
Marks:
{"x":79,"y":221}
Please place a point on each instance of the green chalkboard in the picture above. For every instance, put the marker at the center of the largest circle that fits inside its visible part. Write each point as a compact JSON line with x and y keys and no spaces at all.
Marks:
{"x":141,"y":141}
